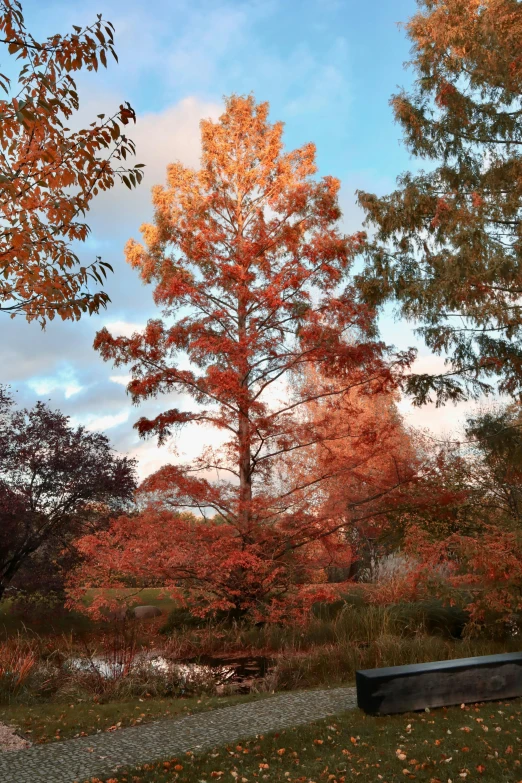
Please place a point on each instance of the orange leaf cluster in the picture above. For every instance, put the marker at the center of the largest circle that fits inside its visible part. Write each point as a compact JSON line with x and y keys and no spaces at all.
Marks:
{"x":48,"y":174}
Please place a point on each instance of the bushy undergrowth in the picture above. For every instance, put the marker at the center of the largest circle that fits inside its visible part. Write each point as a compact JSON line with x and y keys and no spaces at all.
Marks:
{"x":349,"y":619}
{"x":339,"y":638}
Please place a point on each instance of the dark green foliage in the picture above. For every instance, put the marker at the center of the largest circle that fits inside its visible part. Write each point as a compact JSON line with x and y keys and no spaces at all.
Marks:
{"x":328,"y":611}
{"x":448,"y":242}
{"x":436,"y":618}
{"x":181,"y":619}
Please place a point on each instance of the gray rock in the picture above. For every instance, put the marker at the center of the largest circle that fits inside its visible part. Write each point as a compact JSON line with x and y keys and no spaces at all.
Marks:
{"x":144,"y":612}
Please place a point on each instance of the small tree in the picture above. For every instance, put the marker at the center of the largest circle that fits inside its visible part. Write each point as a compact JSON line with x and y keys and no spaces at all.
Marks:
{"x":48,"y":174}
{"x":472,"y":535}
{"x":448,"y":242}
{"x":50,"y":478}
{"x":364,"y":432}
{"x":247,"y":255}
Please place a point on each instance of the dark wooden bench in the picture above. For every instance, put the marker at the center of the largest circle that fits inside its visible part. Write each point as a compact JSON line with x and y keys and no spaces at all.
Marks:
{"x":439,"y":684}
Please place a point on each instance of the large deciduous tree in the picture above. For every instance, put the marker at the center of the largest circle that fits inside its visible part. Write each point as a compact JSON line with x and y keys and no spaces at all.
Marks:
{"x":49,"y":174}
{"x":248,"y":258}
{"x":448,"y":242}
{"x":55,"y":483}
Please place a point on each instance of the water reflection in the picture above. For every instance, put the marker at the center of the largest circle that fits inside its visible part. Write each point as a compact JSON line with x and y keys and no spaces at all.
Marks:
{"x":239,"y":670}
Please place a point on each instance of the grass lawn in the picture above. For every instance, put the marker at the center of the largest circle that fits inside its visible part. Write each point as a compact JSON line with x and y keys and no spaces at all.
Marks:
{"x":146,"y":596}
{"x":480,"y":742}
{"x":52,"y":721}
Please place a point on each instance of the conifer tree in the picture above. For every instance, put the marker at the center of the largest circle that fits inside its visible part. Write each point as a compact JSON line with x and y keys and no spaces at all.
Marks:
{"x":448,"y":242}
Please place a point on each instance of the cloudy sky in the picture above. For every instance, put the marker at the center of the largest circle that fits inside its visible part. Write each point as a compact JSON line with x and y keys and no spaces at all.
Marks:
{"x":327,"y":69}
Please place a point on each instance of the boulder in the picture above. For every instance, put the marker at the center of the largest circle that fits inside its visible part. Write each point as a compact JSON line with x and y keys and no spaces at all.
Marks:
{"x":144,"y":612}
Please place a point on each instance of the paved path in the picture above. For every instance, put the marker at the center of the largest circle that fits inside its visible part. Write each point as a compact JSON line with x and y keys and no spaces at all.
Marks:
{"x":98,"y":755}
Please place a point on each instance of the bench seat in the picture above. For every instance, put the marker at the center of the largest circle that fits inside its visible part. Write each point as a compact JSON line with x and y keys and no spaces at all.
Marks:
{"x":439,"y":683}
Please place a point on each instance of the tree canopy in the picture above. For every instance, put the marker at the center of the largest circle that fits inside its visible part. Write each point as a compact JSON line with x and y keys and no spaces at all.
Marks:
{"x":52,"y":482}
{"x":447,"y":244}
{"x":50,"y":174}
{"x":247,"y":256}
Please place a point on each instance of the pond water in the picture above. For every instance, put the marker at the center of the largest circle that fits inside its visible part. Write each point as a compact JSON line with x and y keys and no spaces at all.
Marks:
{"x":241,"y":671}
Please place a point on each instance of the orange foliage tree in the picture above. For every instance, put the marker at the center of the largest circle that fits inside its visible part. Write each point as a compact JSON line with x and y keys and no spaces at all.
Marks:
{"x":247,"y":254}
{"x":474,"y":534}
{"x":363,"y":432}
{"x":48,"y":174}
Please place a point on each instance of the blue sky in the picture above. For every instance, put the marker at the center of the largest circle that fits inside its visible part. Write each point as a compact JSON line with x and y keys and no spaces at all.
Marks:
{"x":327,"y":68}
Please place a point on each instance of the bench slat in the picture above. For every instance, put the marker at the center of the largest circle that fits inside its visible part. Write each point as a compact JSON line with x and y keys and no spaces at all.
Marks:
{"x":439,"y":683}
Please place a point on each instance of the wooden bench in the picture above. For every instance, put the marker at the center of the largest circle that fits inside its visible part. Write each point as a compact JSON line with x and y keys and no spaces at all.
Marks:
{"x":439,"y":684}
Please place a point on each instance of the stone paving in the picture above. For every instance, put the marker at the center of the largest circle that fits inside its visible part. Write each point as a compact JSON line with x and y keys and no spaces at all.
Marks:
{"x":78,"y":759}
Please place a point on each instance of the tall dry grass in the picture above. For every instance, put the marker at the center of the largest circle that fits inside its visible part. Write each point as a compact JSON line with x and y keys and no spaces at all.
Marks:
{"x":18,"y":658}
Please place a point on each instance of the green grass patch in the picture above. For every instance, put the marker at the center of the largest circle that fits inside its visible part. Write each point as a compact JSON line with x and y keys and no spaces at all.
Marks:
{"x":146,"y":596}
{"x":478,"y":743}
{"x":44,"y":623}
{"x":47,"y":722}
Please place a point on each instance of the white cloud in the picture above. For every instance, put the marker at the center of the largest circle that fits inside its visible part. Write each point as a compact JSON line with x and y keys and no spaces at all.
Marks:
{"x":99,"y":423}
{"x":71,"y":390}
{"x":161,"y":138}
{"x":63,"y":380}
{"x":123,"y":328}
{"x":124,"y":380}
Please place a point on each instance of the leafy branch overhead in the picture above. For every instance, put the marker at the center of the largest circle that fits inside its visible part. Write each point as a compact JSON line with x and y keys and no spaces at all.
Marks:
{"x":49,"y":174}
{"x":448,"y":242}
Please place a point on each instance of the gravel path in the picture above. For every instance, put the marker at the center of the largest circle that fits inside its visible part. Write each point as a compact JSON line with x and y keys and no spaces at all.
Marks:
{"x":85,"y":757}
{"x":9,"y":740}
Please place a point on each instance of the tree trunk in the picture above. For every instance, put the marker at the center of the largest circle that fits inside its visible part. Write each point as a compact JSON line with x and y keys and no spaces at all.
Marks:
{"x":245,"y":466}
